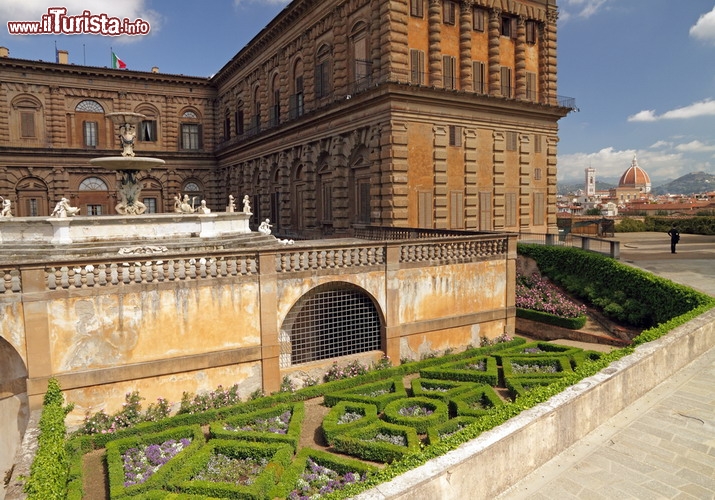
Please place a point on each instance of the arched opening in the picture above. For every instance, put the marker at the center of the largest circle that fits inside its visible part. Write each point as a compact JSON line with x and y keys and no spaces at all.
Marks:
{"x":14,"y":406}
{"x":32,"y":198}
{"x":331,"y":320}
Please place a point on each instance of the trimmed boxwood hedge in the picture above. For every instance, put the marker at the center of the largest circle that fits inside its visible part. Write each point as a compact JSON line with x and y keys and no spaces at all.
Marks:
{"x":278,"y":455}
{"x":458,"y":370}
{"x":439,"y":389}
{"x":363,"y":393}
{"x":331,"y":427}
{"x":438,"y":432}
{"x":518,"y":387}
{"x":341,"y":465}
{"x":551,"y":319}
{"x":358,"y":442}
{"x":561,"y":363}
{"x":292,"y":436}
{"x":541,"y":348}
{"x":440,"y":413}
{"x":461,"y":404}
{"x":115,"y":464}
{"x":624,"y":293}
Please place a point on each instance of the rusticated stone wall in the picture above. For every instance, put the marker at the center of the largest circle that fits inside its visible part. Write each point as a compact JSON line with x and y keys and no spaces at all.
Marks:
{"x":168,"y":324}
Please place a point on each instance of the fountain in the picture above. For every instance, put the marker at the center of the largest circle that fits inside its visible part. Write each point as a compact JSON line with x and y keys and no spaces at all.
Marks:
{"x":128,"y":164}
{"x":132,"y":231}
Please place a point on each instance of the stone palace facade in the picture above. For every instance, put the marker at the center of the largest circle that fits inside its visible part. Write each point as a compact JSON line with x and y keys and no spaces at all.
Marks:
{"x":406,"y":113}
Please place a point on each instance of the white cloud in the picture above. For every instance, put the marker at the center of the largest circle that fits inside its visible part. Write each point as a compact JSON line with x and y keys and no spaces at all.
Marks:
{"x":695,"y":147}
{"x":661,"y":145}
{"x":580,"y":8}
{"x":704,"y":28}
{"x":611,"y":164}
{"x":697,"y":109}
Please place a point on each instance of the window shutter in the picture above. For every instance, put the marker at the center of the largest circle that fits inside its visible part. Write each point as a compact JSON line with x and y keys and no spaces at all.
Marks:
{"x":478,"y":76}
{"x":505,"y":81}
{"x":27,"y":124}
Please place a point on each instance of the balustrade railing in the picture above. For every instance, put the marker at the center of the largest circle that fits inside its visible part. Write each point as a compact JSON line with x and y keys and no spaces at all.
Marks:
{"x":151,"y":271}
{"x":431,"y":246}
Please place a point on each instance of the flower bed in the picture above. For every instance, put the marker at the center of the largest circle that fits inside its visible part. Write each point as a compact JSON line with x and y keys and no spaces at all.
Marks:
{"x":439,"y":432}
{"x":418,"y":412}
{"x":481,"y":369}
{"x":377,"y":393}
{"x":138,"y":464}
{"x":475,"y":403}
{"x":345,"y":416}
{"x":314,"y":473}
{"x":380,"y":442}
{"x":543,"y":366}
{"x":278,"y":424}
{"x":233,"y":469}
{"x":538,"y":294}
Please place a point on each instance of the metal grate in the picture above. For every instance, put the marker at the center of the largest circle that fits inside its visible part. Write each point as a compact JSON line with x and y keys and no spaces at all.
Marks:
{"x":330,"y":321}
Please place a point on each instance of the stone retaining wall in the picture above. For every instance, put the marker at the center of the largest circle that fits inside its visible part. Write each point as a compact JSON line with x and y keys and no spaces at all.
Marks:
{"x":490,"y":464}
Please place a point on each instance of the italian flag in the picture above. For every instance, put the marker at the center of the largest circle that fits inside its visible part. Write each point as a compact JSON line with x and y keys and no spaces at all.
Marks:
{"x":117,"y":63}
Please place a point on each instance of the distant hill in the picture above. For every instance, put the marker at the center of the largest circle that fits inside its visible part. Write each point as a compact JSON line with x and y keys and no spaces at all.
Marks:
{"x":692,"y":183}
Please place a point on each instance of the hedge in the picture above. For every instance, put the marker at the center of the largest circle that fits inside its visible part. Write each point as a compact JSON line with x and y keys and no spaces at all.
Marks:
{"x":551,"y":319}
{"x":462,"y":404}
{"x":292,"y":436}
{"x":439,"y":415}
{"x":49,"y":472}
{"x":331,"y":425}
{"x":622,"y":292}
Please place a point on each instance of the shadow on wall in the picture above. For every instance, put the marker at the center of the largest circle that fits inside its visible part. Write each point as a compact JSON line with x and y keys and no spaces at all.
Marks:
{"x":14,"y":406}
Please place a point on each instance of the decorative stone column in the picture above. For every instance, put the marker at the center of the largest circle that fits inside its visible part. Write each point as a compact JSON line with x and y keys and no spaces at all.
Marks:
{"x":520,"y":58}
{"x":494,"y":71}
{"x":547,"y":58}
{"x":466,"y":78}
{"x":340,"y":52}
{"x":435,"y":44}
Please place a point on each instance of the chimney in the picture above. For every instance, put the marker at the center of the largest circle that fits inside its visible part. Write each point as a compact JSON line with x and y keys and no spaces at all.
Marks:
{"x":155,"y":69}
{"x":4,"y":52}
{"x":63,"y":57}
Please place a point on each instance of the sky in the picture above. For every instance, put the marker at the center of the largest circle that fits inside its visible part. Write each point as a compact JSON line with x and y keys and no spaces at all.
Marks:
{"x":642,"y":72}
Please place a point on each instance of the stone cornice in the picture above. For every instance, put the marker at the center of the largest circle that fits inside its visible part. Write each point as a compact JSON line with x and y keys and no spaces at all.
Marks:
{"x":7,"y":63}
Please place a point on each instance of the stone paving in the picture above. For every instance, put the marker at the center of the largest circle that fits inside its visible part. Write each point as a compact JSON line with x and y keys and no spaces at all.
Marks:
{"x":663,"y":445}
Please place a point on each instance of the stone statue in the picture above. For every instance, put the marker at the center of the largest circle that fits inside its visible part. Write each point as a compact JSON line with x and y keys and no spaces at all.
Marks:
{"x":185,"y":207}
{"x":203,"y":209}
{"x":231,"y":204}
{"x":265,"y":227}
{"x":6,"y":207}
{"x":64,"y":209}
{"x":247,"y":205}
{"x":127,"y":134}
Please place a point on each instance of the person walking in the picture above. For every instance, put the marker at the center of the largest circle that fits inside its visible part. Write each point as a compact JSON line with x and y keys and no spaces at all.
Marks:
{"x":674,"y":238}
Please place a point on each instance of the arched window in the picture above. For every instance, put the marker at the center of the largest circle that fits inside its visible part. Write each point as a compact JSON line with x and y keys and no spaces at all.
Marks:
{"x":361,"y":66}
{"x":148,"y":128}
{"x":93,"y":184}
{"x":240,"y":118}
{"x":195,"y":193}
{"x":332,"y":320}
{"x":90,"y":124}
{"x":227,"y":125}
{"x":275,"y":109}
{"x":89,"y":106}
{"x":295,"y":106}
{"x":323,"y":71}
{"x":256,"y":120}
{"x":191,"y":131}
{"x":28,"y":107}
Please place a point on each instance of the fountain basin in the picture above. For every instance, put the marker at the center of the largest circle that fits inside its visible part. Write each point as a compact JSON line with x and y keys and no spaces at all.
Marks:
{"x":135,"y":163}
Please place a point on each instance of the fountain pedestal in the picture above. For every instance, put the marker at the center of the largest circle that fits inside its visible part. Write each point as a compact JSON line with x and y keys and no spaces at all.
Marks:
{"x":128,"y":164}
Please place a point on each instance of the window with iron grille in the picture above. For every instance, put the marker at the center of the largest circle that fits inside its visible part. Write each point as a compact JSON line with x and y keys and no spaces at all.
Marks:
{"x":332,"y":320}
